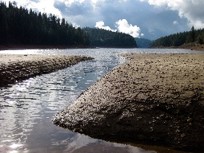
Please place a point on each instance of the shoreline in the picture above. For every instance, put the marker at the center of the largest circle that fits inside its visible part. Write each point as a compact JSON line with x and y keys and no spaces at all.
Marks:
{"x":152,"y":99}
{"x":14,"y":68}
{"x":191,"y":46}
{"x":17,"y":47}
{"x":197,"y":47}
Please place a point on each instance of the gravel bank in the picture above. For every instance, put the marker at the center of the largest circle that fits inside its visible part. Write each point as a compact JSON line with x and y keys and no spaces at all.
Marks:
{"x":152,"y":98}
{"x":14,"y":68}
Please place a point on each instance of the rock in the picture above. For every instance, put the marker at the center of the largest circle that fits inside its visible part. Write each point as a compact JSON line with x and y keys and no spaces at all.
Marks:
{"x":153,"y":98}
{"x":15,"y":68}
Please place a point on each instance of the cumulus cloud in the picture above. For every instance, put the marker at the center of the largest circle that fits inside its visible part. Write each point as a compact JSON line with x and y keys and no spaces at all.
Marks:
{"x":101,"y":25}
{"x":190,"y":9}
{"x":80,"y":12}
{"x":45,"y":6}
{"x":70,"y":2}
{"x":122,"y":26}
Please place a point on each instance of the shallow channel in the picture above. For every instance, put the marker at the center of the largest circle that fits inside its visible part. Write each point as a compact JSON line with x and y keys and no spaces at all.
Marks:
{"x":27,"y":108}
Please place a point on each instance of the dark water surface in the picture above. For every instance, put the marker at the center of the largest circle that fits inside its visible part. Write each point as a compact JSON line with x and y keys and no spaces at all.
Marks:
{"x":27,"y":108}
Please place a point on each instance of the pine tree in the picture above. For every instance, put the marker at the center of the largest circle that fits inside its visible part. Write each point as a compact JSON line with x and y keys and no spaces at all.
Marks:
{"x":193,"y":34}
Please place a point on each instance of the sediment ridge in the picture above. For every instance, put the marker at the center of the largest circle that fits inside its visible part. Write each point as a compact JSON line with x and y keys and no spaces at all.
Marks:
{"x":14,"y":68}
{"x":153,"y":98}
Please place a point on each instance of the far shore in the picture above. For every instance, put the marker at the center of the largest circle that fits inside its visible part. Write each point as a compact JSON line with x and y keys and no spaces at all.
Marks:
{"x":17,"y":47}
{"x":199,"y":47}
{"x":191,"y":46}
{"x":196,"y":47}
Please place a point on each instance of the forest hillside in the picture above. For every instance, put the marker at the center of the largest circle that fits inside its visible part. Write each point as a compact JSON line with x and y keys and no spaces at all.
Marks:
{"x":19,"y":26}
{"x":189,"y":38}
{"x":105,"y":38}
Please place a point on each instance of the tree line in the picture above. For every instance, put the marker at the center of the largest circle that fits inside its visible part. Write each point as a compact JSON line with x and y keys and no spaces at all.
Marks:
{"x":105,"y":38}
{"x":178,"y":39}
{"x":19,"y":26}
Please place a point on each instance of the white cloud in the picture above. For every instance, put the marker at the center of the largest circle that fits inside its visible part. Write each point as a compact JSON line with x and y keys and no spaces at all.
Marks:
{"x":124,"y":27}
{"x":48,"y":7}
{"x":70,"y":2}
{"x":190,"y":9}
{"x":101,"y":25}
{"x":45,"y":6}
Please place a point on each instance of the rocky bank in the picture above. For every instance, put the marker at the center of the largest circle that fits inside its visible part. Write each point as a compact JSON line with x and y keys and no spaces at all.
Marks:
{"x":152,"y":98}
{"x":14,"y":68}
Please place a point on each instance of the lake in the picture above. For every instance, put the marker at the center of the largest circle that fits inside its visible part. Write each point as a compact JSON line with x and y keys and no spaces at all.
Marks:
{"x":27,"y":108}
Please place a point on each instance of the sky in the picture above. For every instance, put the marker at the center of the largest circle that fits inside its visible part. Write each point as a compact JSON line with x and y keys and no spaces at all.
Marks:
{"x":149,"y":19}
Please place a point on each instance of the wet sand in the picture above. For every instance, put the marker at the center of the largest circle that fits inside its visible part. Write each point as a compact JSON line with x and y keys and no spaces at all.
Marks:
{"x":14,"y":68}
{"x":151,"y":99}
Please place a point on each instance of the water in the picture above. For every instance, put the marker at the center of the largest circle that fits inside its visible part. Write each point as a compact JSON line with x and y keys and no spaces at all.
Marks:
{"x":27,"y":108}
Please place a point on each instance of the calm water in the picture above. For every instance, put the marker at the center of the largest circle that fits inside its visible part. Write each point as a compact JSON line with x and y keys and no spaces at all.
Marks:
{"x":27,"y":108}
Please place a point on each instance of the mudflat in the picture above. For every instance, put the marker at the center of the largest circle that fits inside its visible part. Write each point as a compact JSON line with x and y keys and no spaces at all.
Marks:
{"x":152,"y":98}
{"x":14,"y":68}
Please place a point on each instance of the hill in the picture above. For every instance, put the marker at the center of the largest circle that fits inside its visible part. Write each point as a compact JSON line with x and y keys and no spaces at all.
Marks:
{"x":189,"y":38}
{"x":104,"y":38}
{"x":143,"y":43}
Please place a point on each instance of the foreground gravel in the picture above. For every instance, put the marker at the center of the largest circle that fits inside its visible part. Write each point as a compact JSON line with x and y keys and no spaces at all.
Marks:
{"x":14,"y":68}
{"x":152,"y":98}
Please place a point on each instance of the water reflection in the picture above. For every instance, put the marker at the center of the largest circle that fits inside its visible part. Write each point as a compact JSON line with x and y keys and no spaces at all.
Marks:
{"x":83,"y":144}
{"x":26,"y":109}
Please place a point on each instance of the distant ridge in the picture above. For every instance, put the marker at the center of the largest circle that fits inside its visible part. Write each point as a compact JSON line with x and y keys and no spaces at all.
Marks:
{"x":143,"y":43}
{"x":105,"y":38}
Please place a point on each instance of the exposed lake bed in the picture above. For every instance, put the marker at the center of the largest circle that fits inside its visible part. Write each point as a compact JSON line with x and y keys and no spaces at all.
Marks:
{"x":153,"y":98}
{"x":14,"y":68}
{"x":28,"y":107}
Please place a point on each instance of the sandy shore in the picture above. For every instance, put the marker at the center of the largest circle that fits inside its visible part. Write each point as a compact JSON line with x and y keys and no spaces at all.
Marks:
{"x":152,"y":98}
{"x":14,"y":68}
{"x":193,"y":46}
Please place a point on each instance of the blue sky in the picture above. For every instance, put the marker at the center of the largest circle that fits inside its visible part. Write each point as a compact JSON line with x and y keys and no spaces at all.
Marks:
{"x":139,"y":18}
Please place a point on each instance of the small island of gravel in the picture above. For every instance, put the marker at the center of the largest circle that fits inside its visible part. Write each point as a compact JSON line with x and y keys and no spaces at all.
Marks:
{"x":152,"y":98}
{"x":14,"y":68}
